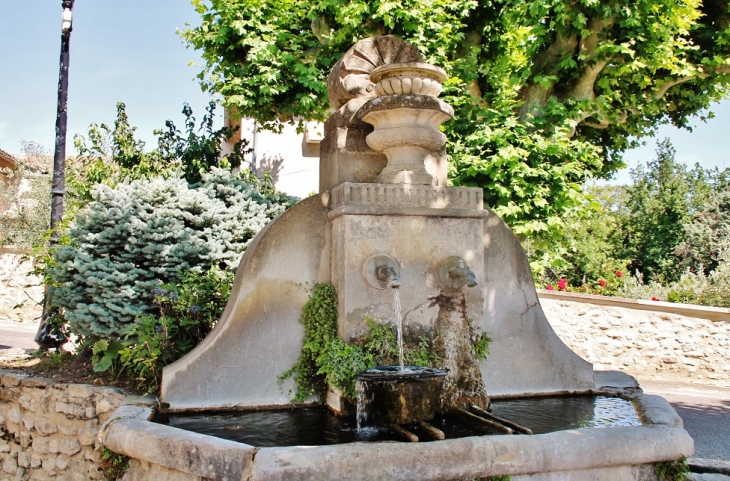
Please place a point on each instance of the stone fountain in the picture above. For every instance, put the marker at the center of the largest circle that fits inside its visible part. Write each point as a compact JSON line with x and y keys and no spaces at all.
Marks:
{"x":385,"y":221}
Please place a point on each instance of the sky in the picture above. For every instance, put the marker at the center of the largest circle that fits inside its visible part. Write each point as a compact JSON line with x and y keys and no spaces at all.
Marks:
{"x":128,"y":51}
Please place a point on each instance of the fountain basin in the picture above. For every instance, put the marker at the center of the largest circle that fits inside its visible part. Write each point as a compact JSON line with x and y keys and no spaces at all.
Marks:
{"x":602,"y":454}
{"x":396,"y":396}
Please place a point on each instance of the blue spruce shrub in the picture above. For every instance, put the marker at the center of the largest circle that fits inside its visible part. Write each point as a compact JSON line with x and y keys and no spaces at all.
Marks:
{"x":133,"y":237}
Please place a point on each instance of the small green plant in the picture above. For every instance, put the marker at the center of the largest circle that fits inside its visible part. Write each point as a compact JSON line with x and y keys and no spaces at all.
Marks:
{"x":187,"y":312}
{"x":105,"y":354}
{"x":480,"y":341}
{"x":328,"y":360}
{"x":672,"y":470}
{"x":325,"y":358}
{"x":506,"y":477}
{"x":114,"y":465}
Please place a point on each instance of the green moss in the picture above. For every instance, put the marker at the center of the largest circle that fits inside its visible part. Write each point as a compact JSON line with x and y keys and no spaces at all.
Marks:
{"x":114,"y":465}
{"x":672,"y":470}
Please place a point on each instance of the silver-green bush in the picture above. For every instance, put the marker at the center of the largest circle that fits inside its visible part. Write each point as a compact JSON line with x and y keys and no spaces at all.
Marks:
{"x":131,"y":238}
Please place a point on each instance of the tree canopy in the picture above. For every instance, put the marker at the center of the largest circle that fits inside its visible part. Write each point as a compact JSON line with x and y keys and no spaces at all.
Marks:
{"x":547,"y":93}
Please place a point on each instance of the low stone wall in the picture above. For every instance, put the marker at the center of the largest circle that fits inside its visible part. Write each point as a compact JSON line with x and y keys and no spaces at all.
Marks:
{"x":644,"y":343}
{"x":50,"y":430}
{"x":18,"y":288}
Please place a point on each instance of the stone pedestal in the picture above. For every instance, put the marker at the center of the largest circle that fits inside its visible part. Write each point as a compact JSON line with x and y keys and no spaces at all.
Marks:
{"x":418,"y":226}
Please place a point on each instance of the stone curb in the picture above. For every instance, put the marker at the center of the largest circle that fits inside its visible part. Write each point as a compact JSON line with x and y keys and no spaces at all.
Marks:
{"x":688,"y":310}
{"x":702,"y":465}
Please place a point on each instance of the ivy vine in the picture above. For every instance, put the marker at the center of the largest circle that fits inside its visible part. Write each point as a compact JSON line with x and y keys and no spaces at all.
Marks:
{"x":327,"y":360}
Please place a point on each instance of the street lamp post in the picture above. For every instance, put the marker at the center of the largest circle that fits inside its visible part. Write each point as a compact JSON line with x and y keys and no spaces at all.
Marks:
{"x":46,"y":337}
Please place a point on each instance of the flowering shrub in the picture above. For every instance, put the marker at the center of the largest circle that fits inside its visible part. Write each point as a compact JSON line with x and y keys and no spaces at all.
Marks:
{"x":132,"y":237}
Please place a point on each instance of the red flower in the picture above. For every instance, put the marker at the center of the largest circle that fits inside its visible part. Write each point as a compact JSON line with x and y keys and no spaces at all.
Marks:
{"x":549,"y":287}
{"x":562,"y":283}
{"x":602,"y":283}
{"x":619,"y":274}
{"x":655,"y":299}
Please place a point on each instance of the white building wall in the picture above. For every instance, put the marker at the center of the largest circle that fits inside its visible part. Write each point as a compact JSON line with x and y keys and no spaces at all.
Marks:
{"x":291,"y":158}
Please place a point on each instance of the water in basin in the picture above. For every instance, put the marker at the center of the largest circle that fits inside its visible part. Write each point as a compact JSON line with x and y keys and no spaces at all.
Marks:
{"x":316,"y":426}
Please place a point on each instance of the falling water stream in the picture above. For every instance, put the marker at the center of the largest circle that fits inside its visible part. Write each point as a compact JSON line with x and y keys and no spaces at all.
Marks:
{"x":399,"y":325}
{"x":360,"y":387}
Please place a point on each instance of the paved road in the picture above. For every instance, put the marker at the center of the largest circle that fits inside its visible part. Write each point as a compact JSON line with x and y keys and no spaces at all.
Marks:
{"x":17,"y":334}
{"x":705,"y":411}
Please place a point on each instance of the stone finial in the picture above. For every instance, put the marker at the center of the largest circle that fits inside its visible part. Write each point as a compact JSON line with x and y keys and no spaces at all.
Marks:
{"x":350,"y":77}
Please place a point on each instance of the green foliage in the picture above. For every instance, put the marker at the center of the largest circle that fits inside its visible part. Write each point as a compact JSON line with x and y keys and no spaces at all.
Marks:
{"x":670,"y":228}
{"x":25,"y":198}
{"x":672,"y":470}
{"x":147,"y":231}
{"x":479,"y":341}
{"x":104,"y":354}
{"x":113,"y":465}
{"x":328,"y":360}
{"x":546,"y":94}
{"x":186,"y":312}
{"x":661,"y":201}
{"x":110,"y":155}
{"x":325,"y":358}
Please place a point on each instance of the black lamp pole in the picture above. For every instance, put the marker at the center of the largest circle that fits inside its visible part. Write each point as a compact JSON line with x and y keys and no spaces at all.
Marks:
{"x":46,"y":337}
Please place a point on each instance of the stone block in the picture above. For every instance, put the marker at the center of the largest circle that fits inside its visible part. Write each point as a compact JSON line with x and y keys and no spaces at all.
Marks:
{"x":45,"y":427}
{"x":28,"y":402}
{"x":40,"y":445}
{"x":12,"y":380}
{"x":14,"y":416}
{"x":67,"y":429}
{"x":28,"y":423}
{"x":87,"y":436}
{"x":70,"y":410}
{"x":49,"y":466}
{"x":62,"y":462}
{"x":36,"y":382}
{"x":10,"y":466}
{"x":69,"y":446}
{"x":104,"y":406}
{"x":35,"y":461}
{"x":81,"y":391}
{"x":23,"y":459}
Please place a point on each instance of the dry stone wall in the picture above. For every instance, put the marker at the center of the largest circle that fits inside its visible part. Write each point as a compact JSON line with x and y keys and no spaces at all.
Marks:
{"x":645,"y":344}
{"x":18,"y":288}
{"x":50,"y":430}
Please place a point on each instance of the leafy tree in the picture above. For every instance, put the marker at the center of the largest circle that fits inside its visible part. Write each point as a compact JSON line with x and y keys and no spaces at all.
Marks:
{"x":588,"y":249}
{"x":109,"y":155}
{"x":547,"y":93}
{"x":707,"y":235}
{"x":663,"y":198}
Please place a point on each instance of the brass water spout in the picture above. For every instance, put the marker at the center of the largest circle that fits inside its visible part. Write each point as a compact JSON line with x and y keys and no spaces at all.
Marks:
{"x":381,"y":272}
{"x":455,"y":274}
{"x":388,"y":275}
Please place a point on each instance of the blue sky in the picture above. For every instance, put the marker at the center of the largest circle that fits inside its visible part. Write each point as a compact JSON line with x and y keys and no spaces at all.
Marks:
{"x":128,"y":51}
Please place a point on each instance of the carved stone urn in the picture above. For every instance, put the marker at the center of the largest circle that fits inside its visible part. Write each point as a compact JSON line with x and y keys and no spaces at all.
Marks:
{"x":406,"y":117}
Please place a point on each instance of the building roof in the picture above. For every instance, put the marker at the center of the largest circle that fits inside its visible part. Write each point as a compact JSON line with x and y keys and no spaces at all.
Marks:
{"x":7,"y":160}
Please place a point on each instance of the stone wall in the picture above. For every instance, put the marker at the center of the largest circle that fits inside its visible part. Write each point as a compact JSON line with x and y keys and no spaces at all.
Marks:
{"x":14,"y":290}
{"x":50,"y":430}
{"x":646,"y":344}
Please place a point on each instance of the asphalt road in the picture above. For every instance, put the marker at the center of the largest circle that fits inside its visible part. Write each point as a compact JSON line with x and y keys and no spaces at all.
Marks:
{"x":16,"y":334}
{"x":705,"y":411}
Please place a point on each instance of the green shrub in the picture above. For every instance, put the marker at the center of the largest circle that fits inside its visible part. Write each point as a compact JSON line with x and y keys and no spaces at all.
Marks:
{"x":146,"y":232}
